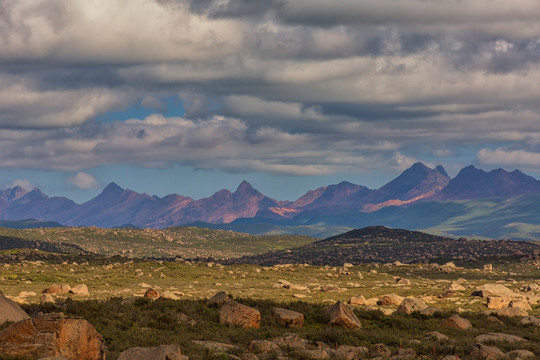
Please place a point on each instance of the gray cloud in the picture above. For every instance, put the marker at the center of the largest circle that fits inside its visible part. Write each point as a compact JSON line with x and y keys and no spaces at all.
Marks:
{"x":281,"y":86}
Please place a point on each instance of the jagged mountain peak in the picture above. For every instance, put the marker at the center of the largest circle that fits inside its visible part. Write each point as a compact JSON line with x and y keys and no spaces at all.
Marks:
{"x":112,"y":188}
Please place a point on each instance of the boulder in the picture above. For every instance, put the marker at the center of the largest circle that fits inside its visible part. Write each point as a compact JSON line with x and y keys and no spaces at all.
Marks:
{"x":161,"y":352}
{"x":263,"y":346}
{"x":218,"y":299}
{"x":484,"y":352}
{"x":494,"y":289}
{"x":347,"y":352}
{"x":498,"y":337}
{"x":510,"y":312}
{"x":57,"y":289}
{"x":214,"y":346}
{"x":455,"y":286}
{"x":11,"y":311}
{"x":46,"y":298}
{"x":290,"y":340}
{"x":80,"y":289}
{"x":151,"y":294}
{"x":457,"y":322}
{"x":390,"y":299}
{"x":379,"y":350}
{"x":531,"y":320}
{"x":430,"y":311}
{"x":520,"y":354}
{"x":521,"y":304}
{"x":234,"y":313}
{"x":498,"y":302}
{"x":435,"y":335}
{"x":52,"y":336}
{"x":410,"y":305}
{"x":288,"y":318}
{"x":357,"y":300}
{"x":340,"y":314}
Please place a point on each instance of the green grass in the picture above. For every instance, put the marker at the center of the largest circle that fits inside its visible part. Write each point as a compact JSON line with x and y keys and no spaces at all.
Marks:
{"x":187,"y":242}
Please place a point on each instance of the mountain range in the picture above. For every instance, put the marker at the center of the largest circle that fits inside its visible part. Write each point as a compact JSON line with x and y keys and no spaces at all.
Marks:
{"x":426,"y":196}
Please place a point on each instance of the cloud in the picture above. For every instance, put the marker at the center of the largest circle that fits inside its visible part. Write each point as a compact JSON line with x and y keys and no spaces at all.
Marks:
{"x":84,"y":181}
{"x":276,"y":86}
{"x":24,"y":183}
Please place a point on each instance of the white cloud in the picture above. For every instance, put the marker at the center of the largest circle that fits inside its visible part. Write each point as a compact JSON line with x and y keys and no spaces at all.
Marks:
{"x":24,"y":183}
{"x":84,"y":181}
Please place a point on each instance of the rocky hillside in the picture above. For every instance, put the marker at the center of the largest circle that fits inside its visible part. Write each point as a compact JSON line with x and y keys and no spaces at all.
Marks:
{"x":384,"y":245}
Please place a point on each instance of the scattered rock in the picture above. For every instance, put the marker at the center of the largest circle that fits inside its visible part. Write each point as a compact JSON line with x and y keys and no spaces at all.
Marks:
{"x":162,"y":352}
{"x":390,"y":299}
{"x":46,"y":298}
{"x":457,"y":322}
{"x":493,"y":289}
{"x":484,"y":352}
{"x":410,"y":305}
{"x":80,"y":289}
{"x":218,"y":299}
{"x":151,"y":294}
{"x":403,"y":281}
{"x":11,"y":311}
{"x":263,"y":346}
{"x":357,"y":300}
{"x":290,"y":340}
{"x":57,"y":289}
{"x":379,"y":350}
{"x":498,"y":302}
{"x":520,"y":354}
{"x":531,"y":320}
{"x":50,"y":336}
{"x":234,"y":313}
{"x":437,"y":336}
{"x":214,"y":346}
{"x":351,"y":352}
{"x":288,"y":318}
{"x":510,"y":312}
{"x":498,"y":337}
{"x":341,"y":315}
{"x":403,"y":354}
{"x":521,"y":304}
{"x":430,"y":311}
{"x":455,"y":286}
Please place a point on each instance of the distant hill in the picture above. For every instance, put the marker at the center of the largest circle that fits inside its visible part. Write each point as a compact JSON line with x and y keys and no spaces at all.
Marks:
{"x":384,"y":245}
{"x":421,"y":198}
{"x":28,"y":224}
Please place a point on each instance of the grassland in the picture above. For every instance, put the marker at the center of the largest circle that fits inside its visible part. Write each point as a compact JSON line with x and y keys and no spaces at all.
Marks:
{"x":187,"y":242}
{"x":125,"y":319}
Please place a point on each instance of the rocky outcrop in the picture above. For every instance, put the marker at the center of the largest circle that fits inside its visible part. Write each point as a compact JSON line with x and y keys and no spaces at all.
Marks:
{"x":162,"y":352}
{"x":11,"y":311}
{"x":52,"y":336}
{"x":340,"y":314}
{"x":288,"y":318}
{"x":234,"y":313}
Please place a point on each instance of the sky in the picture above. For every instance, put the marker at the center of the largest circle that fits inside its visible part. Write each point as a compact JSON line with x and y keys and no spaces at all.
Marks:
{"x":192,"y":96}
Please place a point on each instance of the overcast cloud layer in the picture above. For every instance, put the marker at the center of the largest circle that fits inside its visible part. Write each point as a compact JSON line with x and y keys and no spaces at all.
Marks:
{"x":297,"y":87}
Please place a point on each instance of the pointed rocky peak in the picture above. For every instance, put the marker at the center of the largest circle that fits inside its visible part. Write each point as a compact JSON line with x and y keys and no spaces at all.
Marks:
{"x":34,"y":195}
{"x":414,"y":182}
{"x":440,"y":169}
{"x":245,"y":188}
{"x":472,"y":183}
{"x":112,"y":189}
{"x":15,"y":193}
